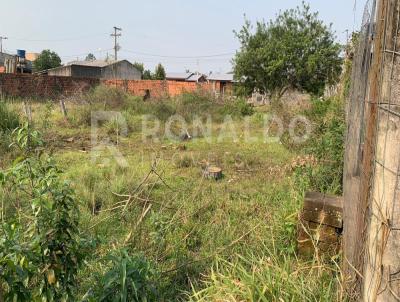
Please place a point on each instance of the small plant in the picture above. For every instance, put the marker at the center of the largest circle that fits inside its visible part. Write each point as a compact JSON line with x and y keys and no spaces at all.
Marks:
{"x":47,"y":115}
{"x":184,"y":161}
{"x":129,"y":279}
{"x":115,"y":127}
{"x":41,"y":249}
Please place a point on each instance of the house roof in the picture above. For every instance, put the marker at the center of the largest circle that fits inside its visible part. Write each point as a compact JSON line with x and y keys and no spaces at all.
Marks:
{"x":95,"y":63}
{"x":188,"y":77}
{"x":179,"y":75}
{"x":195,"y":77}
{"x":223,"y":77}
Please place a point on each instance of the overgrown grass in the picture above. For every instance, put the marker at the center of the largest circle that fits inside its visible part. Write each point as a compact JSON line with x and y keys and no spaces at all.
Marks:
{"x":327,"y":145}
{"x":9,"y":120}
{"x":264,"y":277}
{"x":173,"y":235}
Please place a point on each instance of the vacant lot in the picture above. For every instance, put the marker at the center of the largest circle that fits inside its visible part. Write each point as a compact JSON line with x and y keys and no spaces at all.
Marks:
{"x":173,"y":234}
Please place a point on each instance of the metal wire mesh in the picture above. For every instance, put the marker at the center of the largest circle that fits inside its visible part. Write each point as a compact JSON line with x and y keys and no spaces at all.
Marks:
{"x":375,"y":258}
{"x":354,"y":214}
{"x":382,"y":260}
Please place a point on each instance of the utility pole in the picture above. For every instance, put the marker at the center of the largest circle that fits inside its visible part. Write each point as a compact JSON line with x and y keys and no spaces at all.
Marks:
{"x":1,"y":43}
{"x":116,"y":46}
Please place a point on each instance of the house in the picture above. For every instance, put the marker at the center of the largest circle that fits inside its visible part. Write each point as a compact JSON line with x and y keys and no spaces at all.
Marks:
{"x":14,"y":64}
{"x":222,"y":83}
{"x":4,"y":56}
{"x":180,"y":77}
{"x":121,"y":70}
{"x":186,"y":77}
{"x":197,"y":77}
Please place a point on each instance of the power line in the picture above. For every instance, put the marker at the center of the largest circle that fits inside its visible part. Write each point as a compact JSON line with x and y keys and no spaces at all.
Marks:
{"x":57,"y":40}
{"x":181,"y":57}
{"x":116,"y":46}
{"x":83,"y":54}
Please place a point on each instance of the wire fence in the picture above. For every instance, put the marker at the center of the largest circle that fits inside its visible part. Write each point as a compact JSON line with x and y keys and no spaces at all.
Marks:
{"x":372,"y":172}
{"x":354,"y":215}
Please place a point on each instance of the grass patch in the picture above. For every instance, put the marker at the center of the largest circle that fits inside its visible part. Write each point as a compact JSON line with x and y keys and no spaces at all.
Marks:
{"x":159,"y":230}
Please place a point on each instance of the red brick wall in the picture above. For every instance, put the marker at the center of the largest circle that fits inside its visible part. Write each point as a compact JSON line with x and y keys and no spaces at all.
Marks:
{"x":21,"y":85}
{"x":50,"y":86}
{"x":158,"y":89}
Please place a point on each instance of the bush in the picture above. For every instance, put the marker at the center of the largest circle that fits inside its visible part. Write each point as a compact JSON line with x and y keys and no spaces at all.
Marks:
{"x":184,"y":161}
{"x":109,"y":97}
{"x":238,"y":108}
{"x":244,"y":108}
{"x":40,"y":250}
{"x":327,"y":145}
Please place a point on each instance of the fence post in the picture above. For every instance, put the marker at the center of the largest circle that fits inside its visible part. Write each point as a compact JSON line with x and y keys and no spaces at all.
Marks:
{"x":63,"y":108}
{"x":359,"y":159}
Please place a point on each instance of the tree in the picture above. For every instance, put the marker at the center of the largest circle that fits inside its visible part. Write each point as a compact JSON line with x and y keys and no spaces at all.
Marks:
{"x":47,"y":60}
{"x":147,"y":75}
{"x":296,"y":51}
{"x":159,"y":73}
{"x":90,"y":57}
{"x":139,"y":66}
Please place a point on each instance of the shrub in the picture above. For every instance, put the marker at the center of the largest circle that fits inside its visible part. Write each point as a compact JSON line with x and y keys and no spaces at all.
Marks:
{"x":190,"y":105}
{"x":184,"y":161}
{"x":40,"y":251}
{"x":238,"y":108}
{"x":327,"y":145}
{"x":107,"y":96}
{"x":244,"y":108}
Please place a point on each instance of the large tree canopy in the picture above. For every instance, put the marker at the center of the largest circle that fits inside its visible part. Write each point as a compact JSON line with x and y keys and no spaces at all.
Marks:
{"x":47,"y":60}
{"x":297,"y":50}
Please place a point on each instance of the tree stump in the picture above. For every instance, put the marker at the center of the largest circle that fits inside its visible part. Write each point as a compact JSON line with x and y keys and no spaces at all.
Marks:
{"x":213,"y":173}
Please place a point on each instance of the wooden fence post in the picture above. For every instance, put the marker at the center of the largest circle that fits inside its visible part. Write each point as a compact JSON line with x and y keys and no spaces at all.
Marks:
{"x":63,"y":108}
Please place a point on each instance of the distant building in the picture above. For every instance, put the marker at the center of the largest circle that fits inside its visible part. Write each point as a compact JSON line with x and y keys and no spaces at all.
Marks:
{"x":197,"y":77}
{"x":121,"y":70}
{"x":186,"y":77}
{"x":14,"y":64}
{"x":4,"y":56}
{"x":222,"y":83}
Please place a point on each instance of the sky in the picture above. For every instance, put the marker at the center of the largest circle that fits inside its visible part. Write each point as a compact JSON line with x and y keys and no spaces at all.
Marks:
{"x":180,"y":34}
